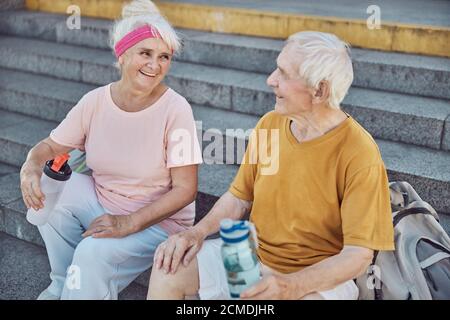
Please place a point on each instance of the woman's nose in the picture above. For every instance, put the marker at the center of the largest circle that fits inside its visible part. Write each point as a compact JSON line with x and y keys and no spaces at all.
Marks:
{"x":153,"y":65}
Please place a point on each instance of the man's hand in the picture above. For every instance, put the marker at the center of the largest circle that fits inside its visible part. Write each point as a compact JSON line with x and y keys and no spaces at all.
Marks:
{"x":180,"y":247}
{"x":111,"y":226}
{"x":273,"y":286}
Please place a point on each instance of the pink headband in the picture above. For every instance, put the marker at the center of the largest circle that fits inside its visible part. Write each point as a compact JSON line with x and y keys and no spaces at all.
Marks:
{"x":130,"y":39}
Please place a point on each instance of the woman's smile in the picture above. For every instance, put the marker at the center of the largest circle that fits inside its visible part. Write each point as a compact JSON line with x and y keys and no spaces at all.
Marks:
{"x":147,"y":74}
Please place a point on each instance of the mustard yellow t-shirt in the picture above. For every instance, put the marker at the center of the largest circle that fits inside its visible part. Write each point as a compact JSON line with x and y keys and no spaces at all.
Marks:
{"x":316,"y":196}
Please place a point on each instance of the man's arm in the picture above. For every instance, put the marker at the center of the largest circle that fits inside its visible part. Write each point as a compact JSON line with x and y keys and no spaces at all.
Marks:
{"x":182,"y":247}
{"x":349,"y":264}
{"x":228,"y":206}
{"x":327,"y":274}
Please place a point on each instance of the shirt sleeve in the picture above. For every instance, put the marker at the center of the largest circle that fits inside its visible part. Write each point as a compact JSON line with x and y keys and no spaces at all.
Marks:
{"x":366,"y":211}
{"x":71,"y":131}
{"x":182,"y":145}
{"x":243,"y":184}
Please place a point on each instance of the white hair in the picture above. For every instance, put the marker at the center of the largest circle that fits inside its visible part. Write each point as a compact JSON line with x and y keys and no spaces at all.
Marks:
{"x":144,"y":12}
{"x":323,"y":56}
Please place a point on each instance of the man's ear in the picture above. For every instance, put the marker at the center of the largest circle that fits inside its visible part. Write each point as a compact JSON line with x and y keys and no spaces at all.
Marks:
{"x":322,"y":92}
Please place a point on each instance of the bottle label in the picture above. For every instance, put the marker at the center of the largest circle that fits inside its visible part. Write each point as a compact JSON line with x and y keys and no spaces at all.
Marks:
{"x":239,"y":281}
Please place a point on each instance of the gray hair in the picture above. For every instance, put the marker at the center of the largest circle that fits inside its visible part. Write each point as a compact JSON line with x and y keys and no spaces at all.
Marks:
{"x":324,"y":56}
{"x":144,"y":12}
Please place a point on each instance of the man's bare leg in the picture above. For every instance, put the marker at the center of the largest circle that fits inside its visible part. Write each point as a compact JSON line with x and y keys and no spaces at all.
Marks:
{"x":313,"y":296}
{"x":184,"y":283}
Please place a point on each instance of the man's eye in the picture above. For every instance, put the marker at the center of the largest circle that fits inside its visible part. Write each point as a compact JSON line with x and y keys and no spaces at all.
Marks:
{"x":145,"y":53}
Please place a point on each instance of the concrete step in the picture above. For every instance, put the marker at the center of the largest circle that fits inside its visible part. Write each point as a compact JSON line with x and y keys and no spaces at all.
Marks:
{"x":12,"y":5}
{"x":25,"y":272}
{"x":391,"y":116}
{"x":427,"y":170}
{"x":397,"y":72}
{"x":6,"y":169}
{"x":401,"y":11}
{"x":281,"y":18}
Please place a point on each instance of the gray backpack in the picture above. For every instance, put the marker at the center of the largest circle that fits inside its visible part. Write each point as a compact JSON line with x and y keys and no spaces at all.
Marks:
{"x":419,"y":268}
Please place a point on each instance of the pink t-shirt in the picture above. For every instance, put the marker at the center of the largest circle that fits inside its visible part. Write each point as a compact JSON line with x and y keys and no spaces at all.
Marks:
{"x":131,"y":153}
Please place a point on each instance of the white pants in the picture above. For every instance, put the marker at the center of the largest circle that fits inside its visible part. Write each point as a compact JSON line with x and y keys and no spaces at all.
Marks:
{"x":214,"y":285}
{"x":99,"y":268}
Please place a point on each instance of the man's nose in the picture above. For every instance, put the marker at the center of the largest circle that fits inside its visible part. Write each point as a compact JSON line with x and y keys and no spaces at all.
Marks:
{"x":271,"y":80}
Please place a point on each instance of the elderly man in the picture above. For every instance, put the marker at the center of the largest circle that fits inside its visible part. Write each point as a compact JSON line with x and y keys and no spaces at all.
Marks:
{"x":319,"y":217}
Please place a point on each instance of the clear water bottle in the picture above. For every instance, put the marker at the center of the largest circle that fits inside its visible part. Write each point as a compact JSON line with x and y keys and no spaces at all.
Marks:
{"x":53,"y":180}
{"x":239,"y":255}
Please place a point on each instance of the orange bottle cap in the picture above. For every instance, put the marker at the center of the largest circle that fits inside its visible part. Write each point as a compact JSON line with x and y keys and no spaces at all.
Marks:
{"x":59,"y":161}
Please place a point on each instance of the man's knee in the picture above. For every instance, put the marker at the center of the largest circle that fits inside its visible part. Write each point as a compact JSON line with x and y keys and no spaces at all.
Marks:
{"x":313,"y":296}
{"x":185,"y":276}
{"x":185,"y":282}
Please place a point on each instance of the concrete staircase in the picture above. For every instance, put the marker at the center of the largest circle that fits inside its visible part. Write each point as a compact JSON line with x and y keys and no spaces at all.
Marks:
{"x":403,"y":100}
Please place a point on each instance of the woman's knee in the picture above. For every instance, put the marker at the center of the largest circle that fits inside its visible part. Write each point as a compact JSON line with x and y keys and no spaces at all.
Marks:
{"x":91,"y":251}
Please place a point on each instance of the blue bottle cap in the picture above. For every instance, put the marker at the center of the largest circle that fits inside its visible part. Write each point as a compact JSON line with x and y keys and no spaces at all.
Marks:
{"x":234,"y":231}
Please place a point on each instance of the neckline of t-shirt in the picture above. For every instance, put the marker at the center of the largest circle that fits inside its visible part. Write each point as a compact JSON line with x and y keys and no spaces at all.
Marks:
{"x":137,"y":113}
{"x":333,"y":132}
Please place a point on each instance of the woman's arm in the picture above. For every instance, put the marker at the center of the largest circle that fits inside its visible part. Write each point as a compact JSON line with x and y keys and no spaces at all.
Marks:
{"x":46,"y":150}
{"x":31,"y":171}
{"x":183,"y":192}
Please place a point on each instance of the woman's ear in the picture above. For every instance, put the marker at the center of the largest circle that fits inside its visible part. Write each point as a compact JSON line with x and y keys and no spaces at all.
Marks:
{"x":121,"y":60}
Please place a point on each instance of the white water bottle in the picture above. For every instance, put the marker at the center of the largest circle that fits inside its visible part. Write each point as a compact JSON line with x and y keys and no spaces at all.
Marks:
{"x":53,"y":180}
{"x":239,"y":255}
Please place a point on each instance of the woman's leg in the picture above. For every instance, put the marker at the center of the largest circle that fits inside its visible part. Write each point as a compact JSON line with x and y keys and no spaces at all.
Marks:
{"x":105,"y":266}
{"x":77,"y":207}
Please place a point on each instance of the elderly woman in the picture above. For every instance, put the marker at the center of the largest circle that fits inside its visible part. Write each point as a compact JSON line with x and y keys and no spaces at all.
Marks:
{"x":319,"y":216}
{"x":106,"y":228}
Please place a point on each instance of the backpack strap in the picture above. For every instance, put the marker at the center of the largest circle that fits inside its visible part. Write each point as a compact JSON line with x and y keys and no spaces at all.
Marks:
{"x":433,"y":259}
{"x":378,"y":293}
{"x":407,"y":212}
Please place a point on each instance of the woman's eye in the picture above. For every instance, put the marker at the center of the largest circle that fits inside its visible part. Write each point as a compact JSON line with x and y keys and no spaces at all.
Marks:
{"x":165,"y":57}
{"x":146,"y":53}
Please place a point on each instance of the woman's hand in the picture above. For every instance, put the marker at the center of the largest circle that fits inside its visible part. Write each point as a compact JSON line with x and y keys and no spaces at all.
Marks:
{"x":180,"y":247}
{"x":111,"y":226}
{"x":30,"y":182}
